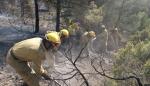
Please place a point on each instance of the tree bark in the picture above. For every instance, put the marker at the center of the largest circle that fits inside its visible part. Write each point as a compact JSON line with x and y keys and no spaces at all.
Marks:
{"x":120,"y":14}
{"x":36,"y":17}
{"x":58,"y":15}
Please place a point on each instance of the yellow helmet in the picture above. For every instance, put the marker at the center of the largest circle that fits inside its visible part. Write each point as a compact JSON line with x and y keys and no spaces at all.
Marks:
{"x":64,"y":32}
{"x":103,"y":26}
{"x":85,"y":33}
{"x":92,"y":34}
{"x":53,"y":37}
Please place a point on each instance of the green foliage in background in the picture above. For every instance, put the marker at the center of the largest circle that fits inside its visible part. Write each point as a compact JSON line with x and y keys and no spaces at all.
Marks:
{"x":134,"y":58}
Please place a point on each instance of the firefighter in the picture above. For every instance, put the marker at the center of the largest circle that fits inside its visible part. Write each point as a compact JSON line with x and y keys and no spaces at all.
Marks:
{"x":87,"y":36}
{"x":33,"y":50}
{"x":64,"y":33}
{"x":86,"y":41}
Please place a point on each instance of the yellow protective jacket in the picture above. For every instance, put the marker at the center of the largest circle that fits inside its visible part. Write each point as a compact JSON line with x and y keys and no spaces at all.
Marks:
{"x":31,"y":50}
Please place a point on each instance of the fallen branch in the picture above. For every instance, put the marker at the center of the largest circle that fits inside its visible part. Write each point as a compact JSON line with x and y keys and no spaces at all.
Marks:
{"x":123,"y":78}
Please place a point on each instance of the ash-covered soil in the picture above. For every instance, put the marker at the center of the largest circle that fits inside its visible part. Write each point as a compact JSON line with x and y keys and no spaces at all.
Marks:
{"x":8,"y":77}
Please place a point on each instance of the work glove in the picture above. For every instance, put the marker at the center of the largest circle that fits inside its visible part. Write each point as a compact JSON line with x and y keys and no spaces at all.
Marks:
{"x":46,"y":76}
{"x":24,"y":84}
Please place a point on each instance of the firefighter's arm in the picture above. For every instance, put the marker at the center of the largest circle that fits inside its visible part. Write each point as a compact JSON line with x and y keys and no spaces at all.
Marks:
{"x":40,"y":70}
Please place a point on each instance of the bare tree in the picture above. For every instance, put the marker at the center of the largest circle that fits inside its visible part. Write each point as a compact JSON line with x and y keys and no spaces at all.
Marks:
{"x":74,"y":70}
{"x":120,"y":13}
{"x":73,"y":62}
{"x":36,"y":17}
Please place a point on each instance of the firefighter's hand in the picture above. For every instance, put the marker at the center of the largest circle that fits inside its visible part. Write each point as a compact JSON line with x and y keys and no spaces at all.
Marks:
{"x":46,"y":77}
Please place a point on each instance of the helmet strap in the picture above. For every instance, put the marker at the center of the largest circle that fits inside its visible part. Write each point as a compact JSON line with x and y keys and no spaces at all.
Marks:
{"x":47,"y":44}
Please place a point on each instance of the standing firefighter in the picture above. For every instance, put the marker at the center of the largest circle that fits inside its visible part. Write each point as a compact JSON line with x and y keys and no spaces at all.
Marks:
{"x":33,"y":50}
{"x":87,"y":41}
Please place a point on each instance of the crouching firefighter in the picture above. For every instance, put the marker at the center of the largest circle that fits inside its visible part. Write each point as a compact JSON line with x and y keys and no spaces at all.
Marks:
{"x":33,"y":50}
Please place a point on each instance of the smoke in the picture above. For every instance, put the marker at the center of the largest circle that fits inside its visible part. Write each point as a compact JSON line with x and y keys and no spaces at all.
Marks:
{"x":49,"y":62}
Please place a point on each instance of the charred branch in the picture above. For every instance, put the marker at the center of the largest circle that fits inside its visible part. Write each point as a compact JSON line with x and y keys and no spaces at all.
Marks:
{"x":122,"y":78}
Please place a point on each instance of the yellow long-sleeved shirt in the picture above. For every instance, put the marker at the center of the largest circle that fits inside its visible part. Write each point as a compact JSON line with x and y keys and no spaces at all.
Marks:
{"x":31,"y":50}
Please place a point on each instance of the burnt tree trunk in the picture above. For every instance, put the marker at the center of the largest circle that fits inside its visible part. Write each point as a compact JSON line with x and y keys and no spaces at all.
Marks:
{"x":22,"y":8}
{"x":58,"y":8}
{"x":36,"y":17}
{"x":22,"y":11}
{"x":120,"y":14}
